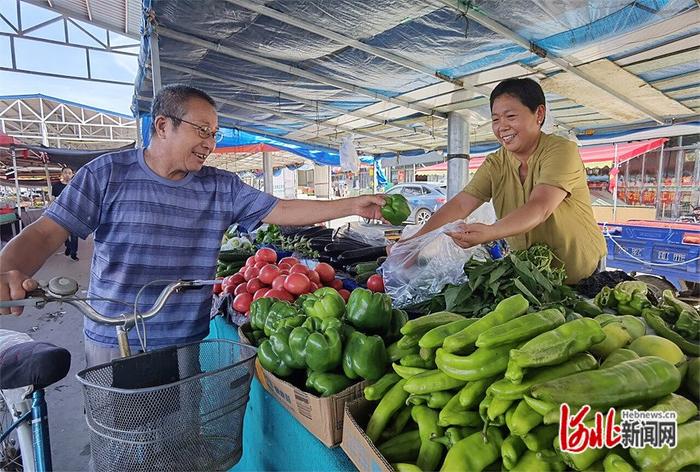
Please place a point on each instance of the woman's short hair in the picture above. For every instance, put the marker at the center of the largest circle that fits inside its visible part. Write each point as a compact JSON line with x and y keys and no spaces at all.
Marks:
{"x":527,"y":91}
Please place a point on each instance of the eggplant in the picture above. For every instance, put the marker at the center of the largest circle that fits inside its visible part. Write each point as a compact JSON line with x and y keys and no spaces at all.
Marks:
{"x":366,"y":254}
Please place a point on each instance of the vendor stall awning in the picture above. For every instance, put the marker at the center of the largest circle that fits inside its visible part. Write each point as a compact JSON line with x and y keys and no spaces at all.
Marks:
{"x":591,"y":155}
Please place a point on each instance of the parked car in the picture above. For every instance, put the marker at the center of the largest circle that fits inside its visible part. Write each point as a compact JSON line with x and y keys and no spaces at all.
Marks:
{"x":423,"y":198}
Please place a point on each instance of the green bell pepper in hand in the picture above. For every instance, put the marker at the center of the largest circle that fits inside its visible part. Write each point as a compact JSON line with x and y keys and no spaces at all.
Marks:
{"x":364,"y":356}
{"x":324,"y":303}
{"x":369,"y":312}
{"x":396,"y":209}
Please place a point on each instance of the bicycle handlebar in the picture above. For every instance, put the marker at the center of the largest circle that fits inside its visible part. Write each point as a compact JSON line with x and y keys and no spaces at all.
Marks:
{"x":63,"y":289}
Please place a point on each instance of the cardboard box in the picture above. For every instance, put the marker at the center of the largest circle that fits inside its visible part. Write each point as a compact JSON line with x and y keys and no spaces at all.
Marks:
{"x":322,"y":416}
{"x":356,"y":444}
{"x":242,"y":329}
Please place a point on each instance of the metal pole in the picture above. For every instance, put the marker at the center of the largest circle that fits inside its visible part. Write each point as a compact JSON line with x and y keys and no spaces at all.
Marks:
{"x":614,"y":212}
{"x":19,"y":201}
{"x":45,"y":142}
{"x":155,"y":60}
{"x":267,"y":173}
{"x":457,"y":153}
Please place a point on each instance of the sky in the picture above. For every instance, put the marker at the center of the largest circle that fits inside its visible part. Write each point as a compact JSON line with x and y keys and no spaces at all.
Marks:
{"x":34,"y":55}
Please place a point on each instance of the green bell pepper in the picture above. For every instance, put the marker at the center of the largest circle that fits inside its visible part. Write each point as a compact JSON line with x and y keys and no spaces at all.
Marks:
{"x":396,"y":209}
{"x":259,"y":310}
{"x":324,"y":303}
{"x":398,"y":320}
{"x":277,"y":312}
{"x":271,"y":361}
{"x":364,"y":356}
{"x":326,"y":383}
{"x":319,"y":350}
{"x":369,"y":312}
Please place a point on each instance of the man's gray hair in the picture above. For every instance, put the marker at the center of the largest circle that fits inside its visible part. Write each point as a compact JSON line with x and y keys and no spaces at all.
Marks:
{"x":170,"y":101}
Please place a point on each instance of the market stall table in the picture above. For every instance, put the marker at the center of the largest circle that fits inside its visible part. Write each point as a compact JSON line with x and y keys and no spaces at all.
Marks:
{"x":272,"y":438}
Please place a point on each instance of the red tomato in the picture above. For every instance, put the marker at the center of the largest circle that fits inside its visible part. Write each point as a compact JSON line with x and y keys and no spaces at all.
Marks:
{"x":278,"y":283}
{"x":289,"y":260}
{"x":250,"y":273}
{"x":284,"y":271}
{"x":280,"y":295}
{"x":250,"y":261}
{"x":326,"y":272}
{"x":284,"y":265}
{"x":299,"y":269}
{"x":237,"y":278}
{"x":296,"y":283}
{"x":314,"y":277}
{"x":242,"y":302}
{"x":344,"y":293}
{"x":336,"y":284}
{"x":268,"y":273}
{"x":314,"y":287}
{"x":228,"y":282}
{"x":230,"y":290}
{"x":217,"y":288}
{"x":261,"y":293}
{"x":266,"y":255}
{"x":254,"y":285}
{"x":242,"y":288}
{"x":375,"y":283}
{"x":260,"y":264}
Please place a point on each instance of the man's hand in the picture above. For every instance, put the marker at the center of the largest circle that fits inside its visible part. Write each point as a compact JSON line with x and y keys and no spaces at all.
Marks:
{"x":469,"y":235}
{"x":369,"y":206}
{"x":14,"y":285}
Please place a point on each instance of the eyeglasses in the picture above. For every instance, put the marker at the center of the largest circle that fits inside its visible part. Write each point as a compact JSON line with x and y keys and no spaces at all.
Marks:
{"x":204,"y":132}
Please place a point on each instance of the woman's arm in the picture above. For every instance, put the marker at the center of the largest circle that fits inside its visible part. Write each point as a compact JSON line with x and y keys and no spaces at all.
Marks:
{"x":543,"y":200}
{"x":457,"y":208}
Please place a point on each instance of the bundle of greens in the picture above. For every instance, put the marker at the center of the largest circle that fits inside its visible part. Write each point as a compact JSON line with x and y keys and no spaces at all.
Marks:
{"x":536,"y":273}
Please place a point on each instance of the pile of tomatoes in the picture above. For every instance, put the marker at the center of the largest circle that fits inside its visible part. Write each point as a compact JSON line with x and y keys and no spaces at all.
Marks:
{"x":286,"y":279}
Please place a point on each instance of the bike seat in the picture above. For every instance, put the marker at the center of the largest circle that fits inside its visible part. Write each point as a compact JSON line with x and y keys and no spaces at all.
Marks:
{"x":33,"y":363}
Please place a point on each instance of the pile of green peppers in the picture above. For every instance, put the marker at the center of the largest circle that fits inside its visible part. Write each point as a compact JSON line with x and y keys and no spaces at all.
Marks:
{"x":332,"y":344}
{"x":469,"y":394}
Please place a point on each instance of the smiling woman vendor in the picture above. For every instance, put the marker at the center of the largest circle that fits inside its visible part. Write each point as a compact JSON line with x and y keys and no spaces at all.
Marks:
{"x":537,"y":182}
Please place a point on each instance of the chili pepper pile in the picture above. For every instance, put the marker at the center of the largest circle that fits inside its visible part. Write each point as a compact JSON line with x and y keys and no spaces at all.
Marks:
{"x":472,"y":394}
{"x":320,"y":342}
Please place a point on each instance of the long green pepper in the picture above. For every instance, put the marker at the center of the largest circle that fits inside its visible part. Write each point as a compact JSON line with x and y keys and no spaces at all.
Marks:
{"x":506,"y":310}
{"x":431,"y":381}
{"x":482,"y":363}
{"x":472,"y":393}
{"x":634,"y":381}
{"x":524,"y":419}
{"x":392,"y":402}
{"x":430,"y":452}
{"x":453,"y":414}
{"x":401,"y":448}
{"x":474,"y":453}
{"x":512,"y":450}
{"x":521,"y":329}
{"x":554,"y":347}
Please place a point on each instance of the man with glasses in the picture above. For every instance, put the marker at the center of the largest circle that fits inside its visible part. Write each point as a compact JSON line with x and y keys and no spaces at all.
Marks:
{"x":157,"y":214}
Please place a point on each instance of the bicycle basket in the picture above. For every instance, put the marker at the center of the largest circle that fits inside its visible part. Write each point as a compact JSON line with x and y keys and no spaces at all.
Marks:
{"x":182,"y":409}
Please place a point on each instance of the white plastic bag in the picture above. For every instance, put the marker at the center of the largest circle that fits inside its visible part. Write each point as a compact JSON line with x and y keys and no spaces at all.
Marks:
{"x":419,"y":268}
{"x":349,"y":161}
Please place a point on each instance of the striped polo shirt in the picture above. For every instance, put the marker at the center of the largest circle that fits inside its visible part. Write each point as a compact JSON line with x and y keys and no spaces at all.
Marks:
{"x":148,"y":228}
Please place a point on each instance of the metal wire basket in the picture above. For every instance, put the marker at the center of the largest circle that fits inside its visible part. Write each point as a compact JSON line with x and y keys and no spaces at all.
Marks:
{"x":178,"y":408}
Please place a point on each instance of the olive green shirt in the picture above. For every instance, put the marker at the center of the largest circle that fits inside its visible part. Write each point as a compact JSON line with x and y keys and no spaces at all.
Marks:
{"x":571,"y":231}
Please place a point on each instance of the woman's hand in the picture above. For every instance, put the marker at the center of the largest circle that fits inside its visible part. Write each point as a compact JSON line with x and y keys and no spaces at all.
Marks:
{"x":469,"y":235}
